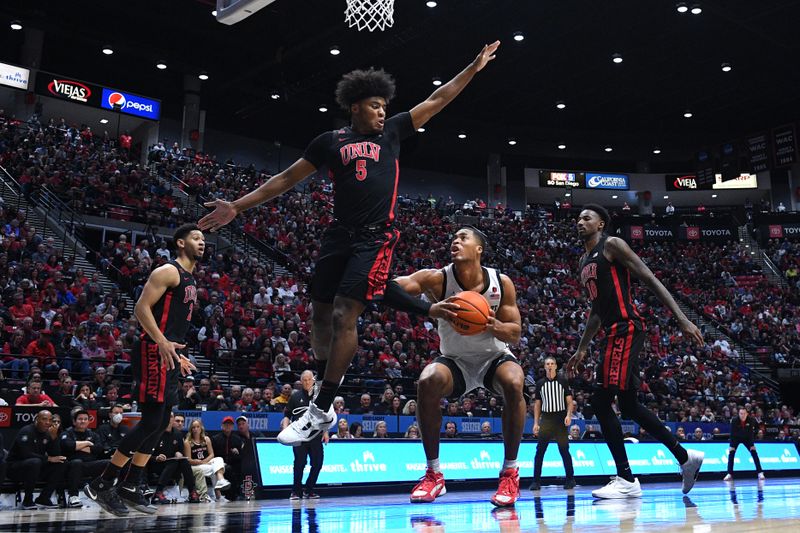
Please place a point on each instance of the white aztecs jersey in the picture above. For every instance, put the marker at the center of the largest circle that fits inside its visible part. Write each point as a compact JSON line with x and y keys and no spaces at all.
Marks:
{"x":455,"y":345}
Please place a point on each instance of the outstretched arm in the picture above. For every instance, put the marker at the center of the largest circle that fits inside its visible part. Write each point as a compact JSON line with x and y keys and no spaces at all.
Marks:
{"x":619,"y":252}
{"x":445,"y":94}
{"x":278,"y":184}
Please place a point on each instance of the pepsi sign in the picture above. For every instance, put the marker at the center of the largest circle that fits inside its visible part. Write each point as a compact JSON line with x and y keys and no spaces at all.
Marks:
{"x":607,"y":181}
{"x":130,"y":104}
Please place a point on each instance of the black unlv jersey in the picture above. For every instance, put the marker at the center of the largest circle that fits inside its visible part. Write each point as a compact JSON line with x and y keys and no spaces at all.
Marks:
{"x":173,"y":311}
{"x":364,"y":169}
{"x":609,"y":288}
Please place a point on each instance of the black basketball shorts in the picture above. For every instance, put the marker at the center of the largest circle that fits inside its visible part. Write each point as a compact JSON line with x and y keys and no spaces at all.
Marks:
{"x":152,"y":382}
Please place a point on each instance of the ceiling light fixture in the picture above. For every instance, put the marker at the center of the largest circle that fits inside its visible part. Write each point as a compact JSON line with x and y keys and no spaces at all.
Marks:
{"x":656,"y":150}
{"x":608,"y":148}
{"x":726,"y":67}
{"x":696,"y":9}
{"x":687,"y":113}
{"x":16,"y":25}
{"x":561,"y":105}
{"x":161,"y":65}
{"x":436,"y":81}
{"x":203,"y":75}
{"x":335,"y":51}
{"x":107,"y":50}
{"x":512,"y":142}
{"x":682,"y":7}
{"x":323,"y":109}
{"x":519,"y":36}
{"x":462,"y":135}
{"x":616,"y":58}
{"x":431,"y":4}
{"x":275,"y":95}
{"x":562,"y":146}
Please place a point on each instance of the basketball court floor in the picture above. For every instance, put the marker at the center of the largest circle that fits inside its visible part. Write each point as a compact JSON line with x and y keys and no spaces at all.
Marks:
{"x":712,"y":506}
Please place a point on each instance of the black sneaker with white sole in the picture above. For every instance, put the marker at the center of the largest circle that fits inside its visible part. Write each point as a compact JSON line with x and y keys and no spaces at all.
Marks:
{"x":45,"y":503}
{"x":132,"y":496}
{"x":105,"y":495}
{"x":28,"y":505}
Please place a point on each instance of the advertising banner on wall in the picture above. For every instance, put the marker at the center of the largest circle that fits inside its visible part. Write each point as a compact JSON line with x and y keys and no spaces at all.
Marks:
{"x":131,"y":104}
{"x":369,"y":461}
{"x":619,"y":182}
{"x":14,"y":76}
{"x":65,"y":88}
{"x":553,"y":178}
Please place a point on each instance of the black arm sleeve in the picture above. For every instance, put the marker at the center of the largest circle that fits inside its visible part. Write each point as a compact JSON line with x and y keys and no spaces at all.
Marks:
{"x":67,"y":443}
{"x":397,"y":298}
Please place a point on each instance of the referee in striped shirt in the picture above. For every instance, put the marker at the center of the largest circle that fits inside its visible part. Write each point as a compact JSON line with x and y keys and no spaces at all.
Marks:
{"x":553,"y":407}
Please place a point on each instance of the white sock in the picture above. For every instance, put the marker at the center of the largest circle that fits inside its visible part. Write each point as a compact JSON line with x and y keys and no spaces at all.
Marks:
{"x":508,"y":463}
{"x":433,"y":464}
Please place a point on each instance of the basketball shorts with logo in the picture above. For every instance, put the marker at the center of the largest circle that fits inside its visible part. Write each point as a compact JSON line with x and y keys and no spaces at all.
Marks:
{"x":353,"y":263}
{"x":152,"y":382}
{"x":470,"y":373}
{"x":618,"y":364}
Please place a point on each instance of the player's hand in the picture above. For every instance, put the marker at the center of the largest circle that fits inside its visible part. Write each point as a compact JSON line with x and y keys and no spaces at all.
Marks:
{"x":445,"y":309}
{"x":161,"y":458}
{"x":169,"y":353}
{"x":186,"y":368}
{"x":223,"y":213}
{"x":326,"y":437}
{"x":492,"y":324}
{"x":572,"y":365}
{"x":56,"y":459}
{"x":485,"y":55}
{"x":536,"y":430}
{"x":567,"y":420}
{"x":691,"y":332}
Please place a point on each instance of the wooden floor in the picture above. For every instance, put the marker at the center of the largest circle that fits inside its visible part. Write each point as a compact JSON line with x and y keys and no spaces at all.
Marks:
{"x":711,"y":506}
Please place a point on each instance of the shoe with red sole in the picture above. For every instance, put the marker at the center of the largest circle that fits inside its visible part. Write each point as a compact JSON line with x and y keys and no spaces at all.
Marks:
{"x":508,"y":490}
{"x":430,"y":487}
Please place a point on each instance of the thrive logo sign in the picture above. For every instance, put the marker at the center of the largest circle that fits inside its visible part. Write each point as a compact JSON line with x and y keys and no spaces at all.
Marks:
{"x":484,"y":462}
{"x":787,"y":456}
{"x":367,"y":463}
{"x":662,"y":459}
{"x":579,"y":459}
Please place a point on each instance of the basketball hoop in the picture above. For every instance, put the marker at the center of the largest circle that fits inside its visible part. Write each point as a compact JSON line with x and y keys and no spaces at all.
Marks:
{"x":369,"y":14}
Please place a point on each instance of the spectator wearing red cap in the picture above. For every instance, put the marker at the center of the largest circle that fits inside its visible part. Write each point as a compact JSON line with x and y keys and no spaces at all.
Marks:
{"x":229,"y":445}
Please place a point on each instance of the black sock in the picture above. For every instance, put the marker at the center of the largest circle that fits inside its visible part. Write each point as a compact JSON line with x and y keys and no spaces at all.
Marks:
{"x":111,"y":472}
{"x":134,"y":475}
{"x":327,"y":392}
{"x":321,"y":366}
{"x":680,"y":453}
{"x":624,"y":471}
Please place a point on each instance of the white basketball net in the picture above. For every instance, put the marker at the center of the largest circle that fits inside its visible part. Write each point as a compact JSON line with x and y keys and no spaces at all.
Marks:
{"x":369,"y":14}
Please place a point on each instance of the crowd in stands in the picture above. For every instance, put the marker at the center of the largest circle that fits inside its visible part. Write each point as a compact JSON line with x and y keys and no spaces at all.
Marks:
{"x":67,"y":340}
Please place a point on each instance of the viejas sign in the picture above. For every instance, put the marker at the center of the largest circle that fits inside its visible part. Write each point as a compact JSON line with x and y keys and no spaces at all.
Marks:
{"x":70,"y":89}
{"x":681,"y":182}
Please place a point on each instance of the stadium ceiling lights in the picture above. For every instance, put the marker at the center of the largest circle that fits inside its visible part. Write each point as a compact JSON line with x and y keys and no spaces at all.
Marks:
{"x":161,"y":65}
{"x":16,"y":25}
{"x":103,"y":121}
{"x":275,"y":95}
{"x":323,"y":109}
{"x":656,"y":150}
{"x":608,"y":148}
{"x":682,"y":7}
{"x":726,"y":67}
{"x":431,"y":4}
{"x":462,"y":135}
{"x":561,"y":104}
{"x":562,"y":146}
{"x":512,"y":142}
{"x":436,"y":81}
{"x":335,"y":51}
{"x":203,"y":75}
{"x":616,"y":58}
{"x":519,"y":36}
{"x":107,"y":50}
{"x":687,"y":113}
{"x":614,"y":196}
{"x":696,"y":9}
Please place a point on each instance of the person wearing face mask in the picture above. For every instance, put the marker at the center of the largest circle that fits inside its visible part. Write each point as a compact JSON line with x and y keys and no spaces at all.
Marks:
{"x":84,"y":450}
{"x":113,"y":431}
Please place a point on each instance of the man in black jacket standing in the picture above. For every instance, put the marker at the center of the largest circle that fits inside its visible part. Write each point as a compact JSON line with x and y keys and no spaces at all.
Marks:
{"x":229,"y":446}
{"x":168,"y":461}
{"x":297,"y":406}
{"x":84,"y":451}
{"x":35,"y":455}
{"x":743,"y":431}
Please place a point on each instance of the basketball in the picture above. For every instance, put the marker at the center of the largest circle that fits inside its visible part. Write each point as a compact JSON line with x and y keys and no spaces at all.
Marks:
{"x":471,"y":319}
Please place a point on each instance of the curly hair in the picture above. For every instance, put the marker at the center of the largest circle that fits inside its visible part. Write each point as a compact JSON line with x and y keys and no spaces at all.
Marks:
{"x":359,"y":84}
{"x":602,"y":213}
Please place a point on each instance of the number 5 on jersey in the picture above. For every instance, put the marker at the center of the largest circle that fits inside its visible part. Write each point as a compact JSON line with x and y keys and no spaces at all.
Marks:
{"x":361,"y":169}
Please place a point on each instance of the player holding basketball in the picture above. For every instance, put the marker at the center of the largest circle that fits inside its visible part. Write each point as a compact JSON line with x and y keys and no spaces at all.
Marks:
{"x":606,"y":269}
{"x":356,"y":252}
{"x":469,"y":362}
{"x":164,"y":311}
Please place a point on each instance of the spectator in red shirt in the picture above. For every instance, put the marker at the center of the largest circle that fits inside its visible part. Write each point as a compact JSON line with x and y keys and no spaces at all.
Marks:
{"x":43,"y":350}
{"x":20,"y":309}
{"x":125,"y":142}
{"x":35,"y":396}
